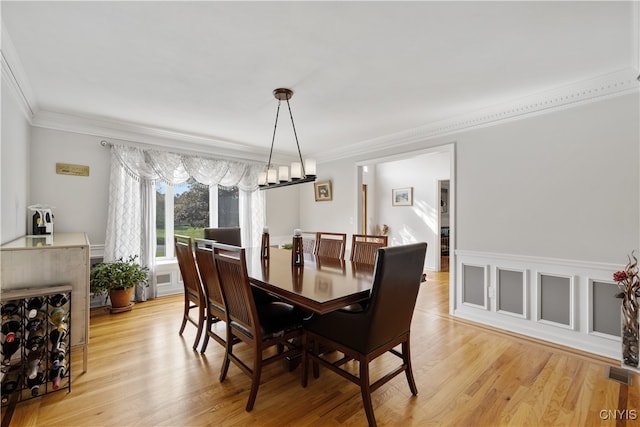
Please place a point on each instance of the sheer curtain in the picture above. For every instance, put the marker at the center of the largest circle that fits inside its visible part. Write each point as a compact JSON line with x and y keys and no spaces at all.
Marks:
{"x":131,"y":227}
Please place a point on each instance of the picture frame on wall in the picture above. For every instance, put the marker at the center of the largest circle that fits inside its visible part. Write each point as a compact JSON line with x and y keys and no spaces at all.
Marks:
{"x":323,"y":191}
{"x":402,"y":196}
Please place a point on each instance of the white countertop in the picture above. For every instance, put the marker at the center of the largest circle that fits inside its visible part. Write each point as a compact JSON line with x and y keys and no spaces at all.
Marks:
{"x":57,"y":240}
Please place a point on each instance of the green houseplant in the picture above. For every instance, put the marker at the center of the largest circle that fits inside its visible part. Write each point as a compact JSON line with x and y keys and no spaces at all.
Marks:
{"x":117,"y":280}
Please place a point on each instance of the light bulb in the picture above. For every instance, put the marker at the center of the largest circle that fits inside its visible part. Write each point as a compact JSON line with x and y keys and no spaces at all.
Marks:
{"x":283,"y":174}
{"x":310,"y":167}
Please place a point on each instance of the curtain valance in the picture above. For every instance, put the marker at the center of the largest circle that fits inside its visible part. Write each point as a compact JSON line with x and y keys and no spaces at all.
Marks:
{"x":175,"y":168}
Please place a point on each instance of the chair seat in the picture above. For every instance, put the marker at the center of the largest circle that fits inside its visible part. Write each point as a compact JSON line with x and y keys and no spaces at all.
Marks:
{"x":346,"y":328}
{"x":276,"y":319}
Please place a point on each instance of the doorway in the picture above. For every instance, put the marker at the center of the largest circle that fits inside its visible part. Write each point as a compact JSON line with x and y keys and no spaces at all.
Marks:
{"x":444,"y":223}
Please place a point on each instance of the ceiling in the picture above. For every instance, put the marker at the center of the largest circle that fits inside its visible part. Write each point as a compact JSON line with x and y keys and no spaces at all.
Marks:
{"x":205,"y":71}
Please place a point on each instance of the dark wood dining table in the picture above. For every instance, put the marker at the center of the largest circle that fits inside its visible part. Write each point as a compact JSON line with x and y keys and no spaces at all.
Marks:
{"x":321,"y":286}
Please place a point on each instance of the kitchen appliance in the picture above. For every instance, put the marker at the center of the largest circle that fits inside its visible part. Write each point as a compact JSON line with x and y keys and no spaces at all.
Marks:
{"x":42,"y":219}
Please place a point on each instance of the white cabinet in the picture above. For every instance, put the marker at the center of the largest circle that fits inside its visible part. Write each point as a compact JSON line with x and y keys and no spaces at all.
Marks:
{"x":45,"y":261}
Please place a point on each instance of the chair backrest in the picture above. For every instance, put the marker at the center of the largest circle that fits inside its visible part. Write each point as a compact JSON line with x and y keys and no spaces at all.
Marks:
{"x":331,"y":244}
{"x":396,"y":282}
{"x":208,"y":274}
{"x":309,"y":241}
{"x":364,"y":247}
{"x":236,"y":291}
{"x":187,"y":265}
{"x":225,"y":235}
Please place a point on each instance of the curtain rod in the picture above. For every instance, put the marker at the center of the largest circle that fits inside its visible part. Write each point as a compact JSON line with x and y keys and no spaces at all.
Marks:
{"x":108,"y":144}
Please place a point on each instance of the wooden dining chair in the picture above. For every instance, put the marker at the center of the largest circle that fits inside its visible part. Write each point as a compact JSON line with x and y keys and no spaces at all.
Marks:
{"x":215,"y":309}
{"x":226,"y":235}
{"x":382,"y":326}
{"x":364,"y":247}
{"x":273,"y":324}
{"x":331,"y":244}
{"x":193,"y":292}
{"x":309,"y":241}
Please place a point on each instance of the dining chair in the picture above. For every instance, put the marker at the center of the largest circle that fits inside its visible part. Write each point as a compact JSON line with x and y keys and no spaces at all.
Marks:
{"x":364,"y":247}
{"x":309,"y":241}
{"x":262,"y":326}
{"x":226,"y":235}
{"x":382,"y":326}
{"x":331,"y":244}
{"x":215,"y":311}
{"x":193,"y":292}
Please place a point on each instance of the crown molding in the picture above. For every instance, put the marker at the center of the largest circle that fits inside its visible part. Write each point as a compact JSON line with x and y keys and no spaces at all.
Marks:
{"x":610,"y":85}
{"x":13,"y":73}
{"x":153,"y":136}
{"x":606,"y":86}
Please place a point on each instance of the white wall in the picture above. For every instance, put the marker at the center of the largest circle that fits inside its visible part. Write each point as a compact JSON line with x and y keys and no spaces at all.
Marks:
{"x":337,"y":215}
{"x":15,"y":175}
{"x":80,"y":202}
{"x":283,"y":212}
{"x":561,"y":185}
{"x":417,"y":223}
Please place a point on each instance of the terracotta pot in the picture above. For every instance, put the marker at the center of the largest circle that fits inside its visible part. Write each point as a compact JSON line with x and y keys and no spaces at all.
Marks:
{"x":121,"y":298}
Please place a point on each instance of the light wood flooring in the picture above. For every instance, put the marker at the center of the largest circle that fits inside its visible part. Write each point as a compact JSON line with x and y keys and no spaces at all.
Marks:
{"x":141,"y":373}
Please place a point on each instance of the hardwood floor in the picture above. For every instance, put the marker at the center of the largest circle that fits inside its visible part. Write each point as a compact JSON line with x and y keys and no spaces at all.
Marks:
{"x":141,"y":373}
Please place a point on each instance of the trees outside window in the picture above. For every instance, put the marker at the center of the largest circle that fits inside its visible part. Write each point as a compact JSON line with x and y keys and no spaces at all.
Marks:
{"x":189,"y":208}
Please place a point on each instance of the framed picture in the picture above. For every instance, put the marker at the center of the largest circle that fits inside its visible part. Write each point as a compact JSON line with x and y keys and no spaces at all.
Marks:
{"x":323,"y":191}
{"x":402,"y":196}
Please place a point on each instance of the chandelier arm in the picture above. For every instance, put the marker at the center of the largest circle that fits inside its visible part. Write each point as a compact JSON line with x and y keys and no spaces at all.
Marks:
{"x":273,"y":138}
{"x":295,"y":134}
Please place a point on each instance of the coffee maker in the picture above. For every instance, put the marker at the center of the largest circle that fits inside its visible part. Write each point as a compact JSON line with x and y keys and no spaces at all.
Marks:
{"x":42,"y":219}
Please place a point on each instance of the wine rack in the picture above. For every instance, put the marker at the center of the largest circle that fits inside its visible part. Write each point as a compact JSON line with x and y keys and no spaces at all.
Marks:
{"x":36,"y":338}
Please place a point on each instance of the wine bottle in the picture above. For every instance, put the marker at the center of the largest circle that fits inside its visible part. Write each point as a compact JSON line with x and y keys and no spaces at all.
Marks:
{"x":36,"y":321}
{"x":9,"y":309}
{"x":35,"y":382}
{"x":8,"y":349}
{"x":57,"y":317}
{"x":9,"y":384}
{"x":11,"y":328}
{"x":36,"y":339}
{"x":33,"y":306}
{"x":34,"y":362}
{"x":56,"y":374}
{"x":57,"y":356}
{"x":57,"y":337}
{"x":58,"y":300}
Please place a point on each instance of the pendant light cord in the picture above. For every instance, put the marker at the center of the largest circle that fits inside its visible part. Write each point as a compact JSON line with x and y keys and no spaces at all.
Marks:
{"x":273,"y":138}
{"x":295,"y":134}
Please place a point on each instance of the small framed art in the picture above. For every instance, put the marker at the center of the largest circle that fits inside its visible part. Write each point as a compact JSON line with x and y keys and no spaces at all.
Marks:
{"x":402,"y":196}
{"x":323,"y":191}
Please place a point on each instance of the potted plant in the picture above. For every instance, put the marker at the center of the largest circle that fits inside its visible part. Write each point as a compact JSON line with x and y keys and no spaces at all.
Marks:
{"x":116,"y":280}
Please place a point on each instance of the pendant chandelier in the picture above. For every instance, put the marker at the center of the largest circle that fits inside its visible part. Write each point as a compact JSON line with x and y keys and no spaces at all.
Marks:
{"x":300,"y":172}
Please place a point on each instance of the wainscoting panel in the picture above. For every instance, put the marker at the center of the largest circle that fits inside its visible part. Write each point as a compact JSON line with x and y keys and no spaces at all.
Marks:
{"x":474,"y":285}
{"x":604,"y":305}
{"x":567,"y":302}
{"x":556,"y":300}
{"x":511,"y":292}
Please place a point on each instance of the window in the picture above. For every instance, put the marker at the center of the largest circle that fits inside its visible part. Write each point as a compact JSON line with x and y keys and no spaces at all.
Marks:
{"x":188,"y":209}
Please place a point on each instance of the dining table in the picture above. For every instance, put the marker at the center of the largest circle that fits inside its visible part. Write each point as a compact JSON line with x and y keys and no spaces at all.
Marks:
{"x":321,"y":285}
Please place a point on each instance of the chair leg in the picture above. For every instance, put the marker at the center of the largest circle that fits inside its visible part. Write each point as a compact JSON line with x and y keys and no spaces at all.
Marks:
{"x":316,"y":366}
{"x":185,"y":315}
{"x":305,"y":362}
{"x":409,"y":371}
{"x":207,"y":330}
{"x":365,"y":390}
{"x":201,"y":319}
{"x":228,"y":351}
{"x":255,"y":379}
